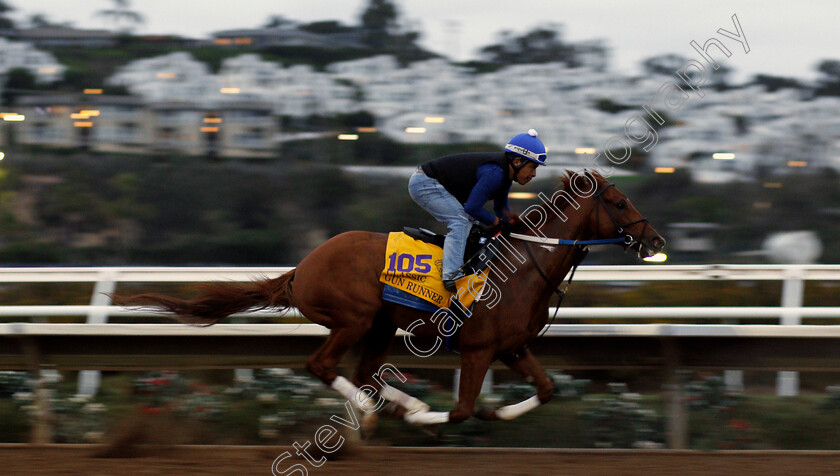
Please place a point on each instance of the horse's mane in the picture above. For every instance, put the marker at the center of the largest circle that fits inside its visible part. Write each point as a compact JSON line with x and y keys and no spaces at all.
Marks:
{"x":564,"y":184}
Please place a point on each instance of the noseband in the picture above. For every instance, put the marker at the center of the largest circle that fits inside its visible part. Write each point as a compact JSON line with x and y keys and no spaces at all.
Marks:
{"x":626,"y":240}
{"x":581,"y":247}
{"x":629,"y":240}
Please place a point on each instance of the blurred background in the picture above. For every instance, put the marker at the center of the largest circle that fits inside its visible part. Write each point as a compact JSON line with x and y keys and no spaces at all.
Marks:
{"x":178,"y":133}
{"x":132,"y":135}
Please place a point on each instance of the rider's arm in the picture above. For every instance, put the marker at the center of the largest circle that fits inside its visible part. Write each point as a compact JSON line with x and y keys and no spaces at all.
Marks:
{"x":490,"y":178}
{"x":501,"y":205}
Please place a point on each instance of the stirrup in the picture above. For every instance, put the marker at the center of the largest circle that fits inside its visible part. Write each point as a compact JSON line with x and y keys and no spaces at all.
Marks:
{"x":449,"y":284}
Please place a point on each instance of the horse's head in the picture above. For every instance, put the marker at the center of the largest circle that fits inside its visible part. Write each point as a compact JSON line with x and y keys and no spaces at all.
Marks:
{"x":612,"y":215}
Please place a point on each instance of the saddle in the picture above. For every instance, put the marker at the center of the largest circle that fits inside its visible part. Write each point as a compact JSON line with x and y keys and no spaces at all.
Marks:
{"x":480,"y":254}
{"x":477,"y":254}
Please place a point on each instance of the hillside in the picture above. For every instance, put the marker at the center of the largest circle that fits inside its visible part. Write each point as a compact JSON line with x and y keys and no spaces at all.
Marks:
{"x":85,"y":209}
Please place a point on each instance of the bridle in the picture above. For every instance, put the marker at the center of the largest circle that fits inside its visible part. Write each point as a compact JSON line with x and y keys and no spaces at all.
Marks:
{"x":629,"y":240}
{"x":582,"y":246}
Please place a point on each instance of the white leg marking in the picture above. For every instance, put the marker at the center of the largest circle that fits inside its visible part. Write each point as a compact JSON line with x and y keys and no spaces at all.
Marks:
{"x":427,"y":418}
{"x":510,"y":412}
{"x":405,"y":400}
{"x":359,"y":398}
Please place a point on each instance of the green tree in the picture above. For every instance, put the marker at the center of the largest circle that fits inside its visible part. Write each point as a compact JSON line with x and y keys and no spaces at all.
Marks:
{"x":40,"y":20}
{"x":829,"y":82}
{"x":670,"y":64}
{"x":543,"y":44}
{"x":275,"y":21}
{"x":5,"y":22}
{"x":18,"y":81}
{"x":379,"y":21}
{"x":326,"y":27}
{"x":830,"y":68}
{"x":382,"y":32}
{"x":120,"y":14}
{"x":665,"y":65}
{"x":774,"y":83}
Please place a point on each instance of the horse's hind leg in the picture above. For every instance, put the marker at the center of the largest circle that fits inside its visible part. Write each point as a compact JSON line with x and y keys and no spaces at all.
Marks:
{"x":371,"y":373}
{"x":372,"y":369}
{"x":524,"y":363}
{"x":323,"y":362}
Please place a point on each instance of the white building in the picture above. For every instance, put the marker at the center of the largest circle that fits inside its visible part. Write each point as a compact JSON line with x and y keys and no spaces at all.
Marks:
{"x":176,"y":76}
{"x":130,"y":124}
{"x":41,"y":64}
{"x":435,"y":101}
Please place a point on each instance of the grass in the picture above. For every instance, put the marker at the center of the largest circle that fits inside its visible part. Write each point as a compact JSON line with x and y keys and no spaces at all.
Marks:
{"x":792,"y":422}
{"x":755,"y":422}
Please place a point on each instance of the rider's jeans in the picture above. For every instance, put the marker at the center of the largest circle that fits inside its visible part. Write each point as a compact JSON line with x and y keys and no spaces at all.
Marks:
{"x":430,"y":194}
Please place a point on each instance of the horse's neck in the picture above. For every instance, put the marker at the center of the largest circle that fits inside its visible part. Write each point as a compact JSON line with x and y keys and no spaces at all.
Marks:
{"x":555,"y":261}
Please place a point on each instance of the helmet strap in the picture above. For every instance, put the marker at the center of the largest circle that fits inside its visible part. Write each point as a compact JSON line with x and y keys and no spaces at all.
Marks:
{"x":517,"y":168}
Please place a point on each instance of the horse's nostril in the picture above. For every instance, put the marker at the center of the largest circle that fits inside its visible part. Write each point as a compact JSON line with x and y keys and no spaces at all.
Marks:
{"x":658,"y":241}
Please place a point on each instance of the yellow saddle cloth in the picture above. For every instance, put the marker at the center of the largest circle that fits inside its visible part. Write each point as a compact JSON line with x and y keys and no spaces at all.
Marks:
{"x":415,"y":267}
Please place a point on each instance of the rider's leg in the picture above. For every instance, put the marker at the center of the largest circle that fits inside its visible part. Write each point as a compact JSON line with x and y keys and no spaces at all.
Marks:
{"x":454,"y":246}
{"x":433,"y":197}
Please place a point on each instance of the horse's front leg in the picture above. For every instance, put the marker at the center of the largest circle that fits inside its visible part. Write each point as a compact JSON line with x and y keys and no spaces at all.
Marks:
{"x":525,"y":364}
{"x":474,"y":366}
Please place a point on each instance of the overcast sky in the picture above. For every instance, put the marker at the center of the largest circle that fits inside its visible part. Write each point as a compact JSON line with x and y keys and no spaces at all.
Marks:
{"x":786,"y":38}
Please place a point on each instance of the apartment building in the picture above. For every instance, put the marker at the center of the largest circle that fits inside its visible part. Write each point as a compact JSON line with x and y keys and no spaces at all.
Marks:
{"x":435,"y":101}
{"x":43,"y":66}
{"x":130,"y":124}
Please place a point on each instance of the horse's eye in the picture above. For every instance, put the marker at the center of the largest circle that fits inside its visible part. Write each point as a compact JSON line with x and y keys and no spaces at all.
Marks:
{"x":620,"y":205}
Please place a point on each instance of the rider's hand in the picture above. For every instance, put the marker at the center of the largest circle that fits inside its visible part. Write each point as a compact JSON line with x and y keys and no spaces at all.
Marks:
{"x":503,"y":226}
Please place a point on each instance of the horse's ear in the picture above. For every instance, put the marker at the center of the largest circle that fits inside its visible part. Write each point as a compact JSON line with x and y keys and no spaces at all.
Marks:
{"x":594,"y":175}
{"x":565,"y":178}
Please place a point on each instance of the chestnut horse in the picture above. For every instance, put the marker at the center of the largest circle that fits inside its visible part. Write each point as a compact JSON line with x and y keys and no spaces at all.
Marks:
{"x":354,"y":311}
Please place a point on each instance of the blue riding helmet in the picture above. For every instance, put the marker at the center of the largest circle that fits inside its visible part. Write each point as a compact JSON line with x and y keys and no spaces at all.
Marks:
{"x":528,"y":147}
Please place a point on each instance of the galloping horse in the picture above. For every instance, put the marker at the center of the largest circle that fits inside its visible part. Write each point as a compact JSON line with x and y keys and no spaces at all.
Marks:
{"x":354,"y":311}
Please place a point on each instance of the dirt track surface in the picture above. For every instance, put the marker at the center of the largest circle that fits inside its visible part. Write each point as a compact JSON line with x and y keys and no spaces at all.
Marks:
{"x":79,"y":460}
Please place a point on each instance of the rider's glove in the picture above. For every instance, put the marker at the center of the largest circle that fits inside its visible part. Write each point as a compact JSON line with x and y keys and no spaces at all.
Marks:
{"x":503,"y":227}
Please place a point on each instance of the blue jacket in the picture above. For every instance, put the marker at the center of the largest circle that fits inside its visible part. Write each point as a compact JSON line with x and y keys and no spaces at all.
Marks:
{"x":474,"y":179}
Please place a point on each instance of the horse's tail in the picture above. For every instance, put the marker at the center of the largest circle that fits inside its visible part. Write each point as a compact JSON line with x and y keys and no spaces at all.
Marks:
{"x":219,"y":300}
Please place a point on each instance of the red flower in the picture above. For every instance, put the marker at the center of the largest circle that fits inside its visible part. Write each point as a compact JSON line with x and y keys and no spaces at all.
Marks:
{"x":739,"y":424}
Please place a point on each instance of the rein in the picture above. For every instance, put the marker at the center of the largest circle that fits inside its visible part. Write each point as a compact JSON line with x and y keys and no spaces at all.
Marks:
{"x":580,"y":246}
{"x":627,"y":240}
{"x":560,"y":289}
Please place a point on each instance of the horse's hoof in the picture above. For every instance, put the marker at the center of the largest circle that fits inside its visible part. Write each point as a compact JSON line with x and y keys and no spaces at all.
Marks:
{"x":370,"y":421}
{"x":486,"y":414}
{"x":431,"y":430}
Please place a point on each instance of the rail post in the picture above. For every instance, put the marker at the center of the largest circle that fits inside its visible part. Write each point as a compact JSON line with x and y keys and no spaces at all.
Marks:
{"x":793,"y":288}
{"x":88,"y":382}
{"x":677,"y":419}
{"x":42,"y":428}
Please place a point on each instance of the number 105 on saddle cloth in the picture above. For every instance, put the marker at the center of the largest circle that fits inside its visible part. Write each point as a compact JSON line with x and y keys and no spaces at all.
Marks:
{"x":415,"y":267}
